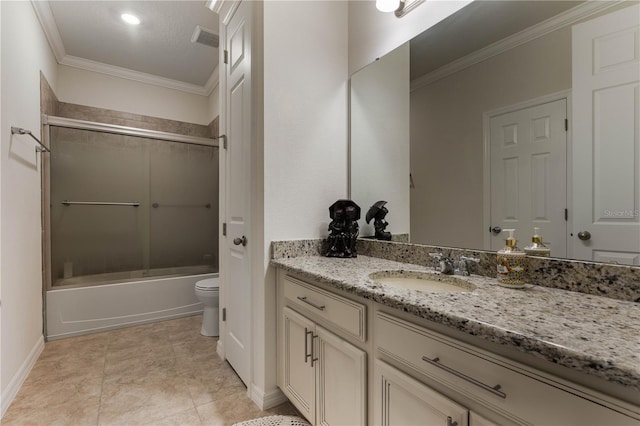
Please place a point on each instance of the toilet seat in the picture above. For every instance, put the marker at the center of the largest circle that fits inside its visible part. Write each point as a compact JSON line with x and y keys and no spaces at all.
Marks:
{"x":210,"y":284}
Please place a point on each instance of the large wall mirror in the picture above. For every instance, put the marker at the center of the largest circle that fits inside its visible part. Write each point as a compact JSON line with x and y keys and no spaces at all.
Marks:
{"x":507,"y":114}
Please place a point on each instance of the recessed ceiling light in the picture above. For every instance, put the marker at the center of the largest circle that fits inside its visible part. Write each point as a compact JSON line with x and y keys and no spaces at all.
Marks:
{"x":130,"y":19}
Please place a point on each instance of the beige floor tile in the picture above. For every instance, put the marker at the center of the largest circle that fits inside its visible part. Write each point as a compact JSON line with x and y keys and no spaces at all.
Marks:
{"x":196,"y":348}
{"x":143,"y":401}
{"x":140,"y":366}
{"x":211,"y":384}
{"x":184,"y":418}
{"x":155,"y":374}
{"x":228,"y":410}
{"x":72,"y":401}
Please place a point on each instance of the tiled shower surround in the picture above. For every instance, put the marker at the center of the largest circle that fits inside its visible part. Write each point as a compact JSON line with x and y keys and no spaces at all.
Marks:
{"x":614,"y":281}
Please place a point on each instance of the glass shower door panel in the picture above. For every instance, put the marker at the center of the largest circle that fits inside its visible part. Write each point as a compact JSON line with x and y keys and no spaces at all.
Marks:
{"x":184,"y":212}
{"x":86,"y":239}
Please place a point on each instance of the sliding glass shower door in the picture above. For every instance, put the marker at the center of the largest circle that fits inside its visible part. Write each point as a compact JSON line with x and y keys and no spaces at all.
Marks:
{"x":126,"y":207}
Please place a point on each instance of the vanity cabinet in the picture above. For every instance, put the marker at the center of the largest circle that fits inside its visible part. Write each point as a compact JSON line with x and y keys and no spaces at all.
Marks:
{"x":418,"y":376}
{"x":402,"y":400}
{"x":519,"y":394}
{"x":322,"y":374}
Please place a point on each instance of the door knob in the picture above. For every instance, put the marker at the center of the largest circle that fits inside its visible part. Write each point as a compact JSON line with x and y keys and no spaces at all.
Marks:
{"x":584,"y":235}
{"x":237,"y":241}
{"x":496,"y":230}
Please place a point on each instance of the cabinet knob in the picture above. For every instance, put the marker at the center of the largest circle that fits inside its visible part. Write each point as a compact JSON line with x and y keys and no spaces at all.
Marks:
{"x":450,"y":422}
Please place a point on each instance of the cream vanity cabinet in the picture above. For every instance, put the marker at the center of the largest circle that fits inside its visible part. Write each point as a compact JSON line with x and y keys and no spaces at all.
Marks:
{"x":418,"y":376}
{"x":322,"y":374}
{"x":502,"y":388}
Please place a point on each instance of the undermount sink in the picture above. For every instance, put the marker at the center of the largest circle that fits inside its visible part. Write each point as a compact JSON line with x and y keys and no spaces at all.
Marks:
{"x":422,"y":281}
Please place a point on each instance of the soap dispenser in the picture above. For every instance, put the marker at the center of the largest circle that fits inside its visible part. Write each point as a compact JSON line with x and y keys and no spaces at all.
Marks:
{"x":537,"y":247}
{"x":511,"y":263}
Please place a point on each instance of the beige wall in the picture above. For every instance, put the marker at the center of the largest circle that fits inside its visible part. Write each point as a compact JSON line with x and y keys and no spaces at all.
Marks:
{"x":83,"y":87}
{"x":24,"y":53}
{"x":447,"y":134}
{"x":305,"y":143}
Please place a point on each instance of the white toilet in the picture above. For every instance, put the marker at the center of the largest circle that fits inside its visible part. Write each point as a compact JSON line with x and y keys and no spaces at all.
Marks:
{"x":208,"y":293}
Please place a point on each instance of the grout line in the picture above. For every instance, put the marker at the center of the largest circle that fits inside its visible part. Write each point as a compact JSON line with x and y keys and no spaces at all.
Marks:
{"x":104,"y":368}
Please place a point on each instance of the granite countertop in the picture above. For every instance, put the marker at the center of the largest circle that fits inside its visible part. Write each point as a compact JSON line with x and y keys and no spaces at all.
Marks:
{"x":592,"y":334}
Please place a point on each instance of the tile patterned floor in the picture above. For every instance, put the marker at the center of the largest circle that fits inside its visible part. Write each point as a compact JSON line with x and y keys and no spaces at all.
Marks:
{"x":160,"y":374}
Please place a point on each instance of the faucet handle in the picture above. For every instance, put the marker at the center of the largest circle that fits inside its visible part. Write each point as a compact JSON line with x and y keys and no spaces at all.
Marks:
{"x":465,"y":263}
{"x":436,"y":256}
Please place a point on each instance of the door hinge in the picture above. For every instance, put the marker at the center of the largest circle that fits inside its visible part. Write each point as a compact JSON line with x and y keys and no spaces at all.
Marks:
{"x":226,"y":56}
{"x":224,"y":229}
{"x":566,"y":124}
{"x":224,"y":141}
{"x":224,"y":314}
{"x":566,"y":215}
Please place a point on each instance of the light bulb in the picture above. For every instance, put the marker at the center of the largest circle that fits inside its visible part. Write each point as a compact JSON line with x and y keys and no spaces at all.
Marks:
{"x":387,"y":5}
{"x":130,"y":19}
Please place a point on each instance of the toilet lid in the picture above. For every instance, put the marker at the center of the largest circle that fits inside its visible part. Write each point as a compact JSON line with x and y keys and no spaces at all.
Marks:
{"x":208,"y":284}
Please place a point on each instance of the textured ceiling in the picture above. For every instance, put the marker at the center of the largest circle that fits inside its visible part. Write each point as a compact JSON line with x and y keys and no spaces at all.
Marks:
{"x":477,"y":25}
{"x":160,"y":45}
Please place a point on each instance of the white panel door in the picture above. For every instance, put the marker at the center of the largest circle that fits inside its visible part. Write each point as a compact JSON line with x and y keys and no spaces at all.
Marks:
{"x":341,"y":381}
{"x":528,"y":175}
{"x":237,"y":294}
{"x":606,"y":151}
{"x":400,"y":400}
{"x":299,"y":380}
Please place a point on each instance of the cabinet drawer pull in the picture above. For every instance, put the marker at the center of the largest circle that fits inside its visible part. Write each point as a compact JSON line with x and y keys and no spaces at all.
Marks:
{"x":307,"y":355}
{"x":308,"y":302}
{"x":313,"y":351}
{"x":450,"y":422}
{"x":494,"y":390}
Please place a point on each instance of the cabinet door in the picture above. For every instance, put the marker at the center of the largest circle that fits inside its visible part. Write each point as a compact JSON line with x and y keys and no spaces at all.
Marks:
{"x":402,"y":400}
{"x":341,"y":372}
{"x":299,"y":375}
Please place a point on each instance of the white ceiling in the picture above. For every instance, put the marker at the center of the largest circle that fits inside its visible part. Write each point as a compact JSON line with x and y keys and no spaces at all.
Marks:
{"x":159,"y":46}
{"x":478,"y":25}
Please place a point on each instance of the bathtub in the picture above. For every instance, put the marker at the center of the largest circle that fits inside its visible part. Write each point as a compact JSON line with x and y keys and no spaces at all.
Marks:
{"x":73,"y":311}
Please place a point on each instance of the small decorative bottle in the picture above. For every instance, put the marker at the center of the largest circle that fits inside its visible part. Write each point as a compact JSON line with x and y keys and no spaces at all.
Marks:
{"x":511,"y":263}
{"x":537,"y":247}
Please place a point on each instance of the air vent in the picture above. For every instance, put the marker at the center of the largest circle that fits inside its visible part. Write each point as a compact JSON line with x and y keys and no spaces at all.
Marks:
{"x":205,"y":36}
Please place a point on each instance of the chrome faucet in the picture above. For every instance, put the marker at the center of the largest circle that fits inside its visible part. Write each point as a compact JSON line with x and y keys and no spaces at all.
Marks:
{"x":445,"y":263}
{"x":465,"y":265}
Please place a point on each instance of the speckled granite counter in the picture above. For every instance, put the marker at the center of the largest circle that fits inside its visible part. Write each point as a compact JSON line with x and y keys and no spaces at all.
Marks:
{"x":592,"y":334}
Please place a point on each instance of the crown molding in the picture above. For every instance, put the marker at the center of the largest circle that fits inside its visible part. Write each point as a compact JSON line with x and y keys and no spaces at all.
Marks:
{"x":564,"y":19}
{"x":115,"y":71}
{"x":213,"y":81}
{"x":50,"y":28}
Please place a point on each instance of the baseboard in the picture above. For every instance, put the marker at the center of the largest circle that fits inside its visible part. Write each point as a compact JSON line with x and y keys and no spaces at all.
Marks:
{"x":267,"y":400}
{"x":220,"y":348}
{"x":21,"y":375}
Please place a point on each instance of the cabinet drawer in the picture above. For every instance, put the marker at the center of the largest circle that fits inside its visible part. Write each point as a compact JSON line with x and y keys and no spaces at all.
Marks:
{"x":513,"y":391}
{"x":341,"y":313}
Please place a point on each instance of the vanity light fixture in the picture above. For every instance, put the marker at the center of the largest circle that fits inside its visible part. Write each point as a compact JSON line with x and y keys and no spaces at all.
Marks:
{"x":130,"y":19}
{"x":398,"y":7}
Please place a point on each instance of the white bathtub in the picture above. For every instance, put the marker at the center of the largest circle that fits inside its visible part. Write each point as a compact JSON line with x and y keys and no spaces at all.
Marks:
{"x":83,"y":310}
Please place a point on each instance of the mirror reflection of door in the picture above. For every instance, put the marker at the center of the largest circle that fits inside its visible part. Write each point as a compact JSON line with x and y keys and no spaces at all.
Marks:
{"x":528,"y":149}
{"x":606,"y":85}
